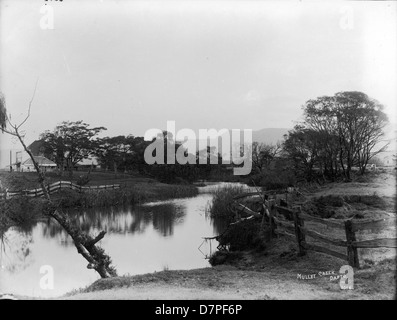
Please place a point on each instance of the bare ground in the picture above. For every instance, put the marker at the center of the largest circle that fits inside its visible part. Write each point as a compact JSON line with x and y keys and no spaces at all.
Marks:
{"x":255,"y":276}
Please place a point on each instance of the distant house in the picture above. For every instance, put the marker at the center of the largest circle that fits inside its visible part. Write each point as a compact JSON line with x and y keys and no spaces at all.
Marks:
{"x":23,"y":162}
{"x":44,"y":164}
{"x":89,"y":163}
{"x":389,"y":160}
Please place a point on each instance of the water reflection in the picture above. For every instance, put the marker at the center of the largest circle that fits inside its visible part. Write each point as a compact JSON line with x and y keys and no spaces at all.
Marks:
{"x":162,"y":216}
{"x":139,"y":240}
{"x":21,"y":255}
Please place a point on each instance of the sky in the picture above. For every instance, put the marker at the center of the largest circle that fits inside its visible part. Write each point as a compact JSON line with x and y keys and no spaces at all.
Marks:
{"x":132,"y":65}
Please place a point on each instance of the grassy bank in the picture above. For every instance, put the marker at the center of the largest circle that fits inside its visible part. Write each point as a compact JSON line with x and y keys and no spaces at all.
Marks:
{"x":124,"y":196}
{"x":135,"y":190}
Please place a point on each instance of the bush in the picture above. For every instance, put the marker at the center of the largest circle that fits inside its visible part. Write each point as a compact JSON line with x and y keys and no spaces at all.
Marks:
{"x":224,"y":257}
{"x":324,"y":206}
{"x":275,"y":179}
{"x":369,"y":200}
{"x":247,"y":234}
{"x":331,"y":200}
{"x":83,"y":180}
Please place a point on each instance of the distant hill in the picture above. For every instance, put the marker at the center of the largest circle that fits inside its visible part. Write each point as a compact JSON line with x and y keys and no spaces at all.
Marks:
{"x":269,"y":135}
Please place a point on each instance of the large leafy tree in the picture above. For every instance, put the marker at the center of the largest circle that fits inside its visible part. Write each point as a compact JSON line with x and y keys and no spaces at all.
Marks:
{"x":360,"y":121}
{"x":116,"y":152}
{"x":70,"y":142}
{"x":264,"y":154}
{"x":122,"y":152}
{"x":351,"y":126}
{"x":303,"y":146}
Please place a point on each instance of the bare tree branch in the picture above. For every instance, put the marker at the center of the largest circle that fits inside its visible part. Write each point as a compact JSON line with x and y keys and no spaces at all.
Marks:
{"x":30,"y":105}
{"x":85,"y":244}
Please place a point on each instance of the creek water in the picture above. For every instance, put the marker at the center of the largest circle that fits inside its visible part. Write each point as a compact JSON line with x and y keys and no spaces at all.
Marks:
{"x":41,"y":260}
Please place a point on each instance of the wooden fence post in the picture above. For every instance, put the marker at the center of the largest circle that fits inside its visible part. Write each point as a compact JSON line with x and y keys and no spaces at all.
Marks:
{"x":272,"y":224}
{"x":300,"y":236}
{"x":352,"y":254}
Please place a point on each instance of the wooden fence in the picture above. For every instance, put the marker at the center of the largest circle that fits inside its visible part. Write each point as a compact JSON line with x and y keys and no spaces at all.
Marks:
{"x":293,"y":226}
{"x":55,"y":187}
{"x":297,"y":231}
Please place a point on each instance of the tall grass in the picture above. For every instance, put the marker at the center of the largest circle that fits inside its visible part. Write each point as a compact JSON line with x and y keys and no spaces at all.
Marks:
{"x":125,"y":196}
{"x":220,"y":204}
{"x":22,"y":211}
{"x":249,"y":234}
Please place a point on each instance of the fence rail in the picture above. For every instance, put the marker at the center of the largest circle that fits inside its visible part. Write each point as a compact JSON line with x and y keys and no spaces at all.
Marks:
{"x":293,"y":227}
{"x":298,"y":231}
{"x":55,"y":187}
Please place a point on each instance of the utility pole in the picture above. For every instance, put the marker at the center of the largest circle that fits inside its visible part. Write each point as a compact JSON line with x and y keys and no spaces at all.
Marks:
{"x":10,"y":160}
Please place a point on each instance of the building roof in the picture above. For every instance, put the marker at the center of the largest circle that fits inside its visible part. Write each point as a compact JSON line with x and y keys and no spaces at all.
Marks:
{"x":89,"y":161}
{"x":41,"y":161}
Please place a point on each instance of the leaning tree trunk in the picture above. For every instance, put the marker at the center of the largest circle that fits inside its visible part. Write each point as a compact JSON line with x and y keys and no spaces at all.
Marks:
{"x":85,"y":244}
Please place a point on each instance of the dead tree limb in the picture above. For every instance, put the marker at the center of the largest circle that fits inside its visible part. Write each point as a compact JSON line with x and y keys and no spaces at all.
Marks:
{"x":85,"y":244}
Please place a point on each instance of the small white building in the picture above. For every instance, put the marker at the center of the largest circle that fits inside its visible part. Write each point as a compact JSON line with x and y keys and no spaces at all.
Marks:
{"x":44,"y":164}
{"x":91,"y":162}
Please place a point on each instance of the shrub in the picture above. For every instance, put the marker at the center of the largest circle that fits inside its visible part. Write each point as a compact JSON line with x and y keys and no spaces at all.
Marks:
{"x":248,"y":234}
{"x":83,"y":180}
{"x":324,"y":206}
{"x":275,"y":179}
{"x":331,"y":200}
{"x":369,"y":200}
{"x":222,"y":257}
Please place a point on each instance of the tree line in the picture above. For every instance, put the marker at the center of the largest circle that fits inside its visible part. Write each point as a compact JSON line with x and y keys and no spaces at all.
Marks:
{"x":71,"y":142}
{"x":337,"y":133}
